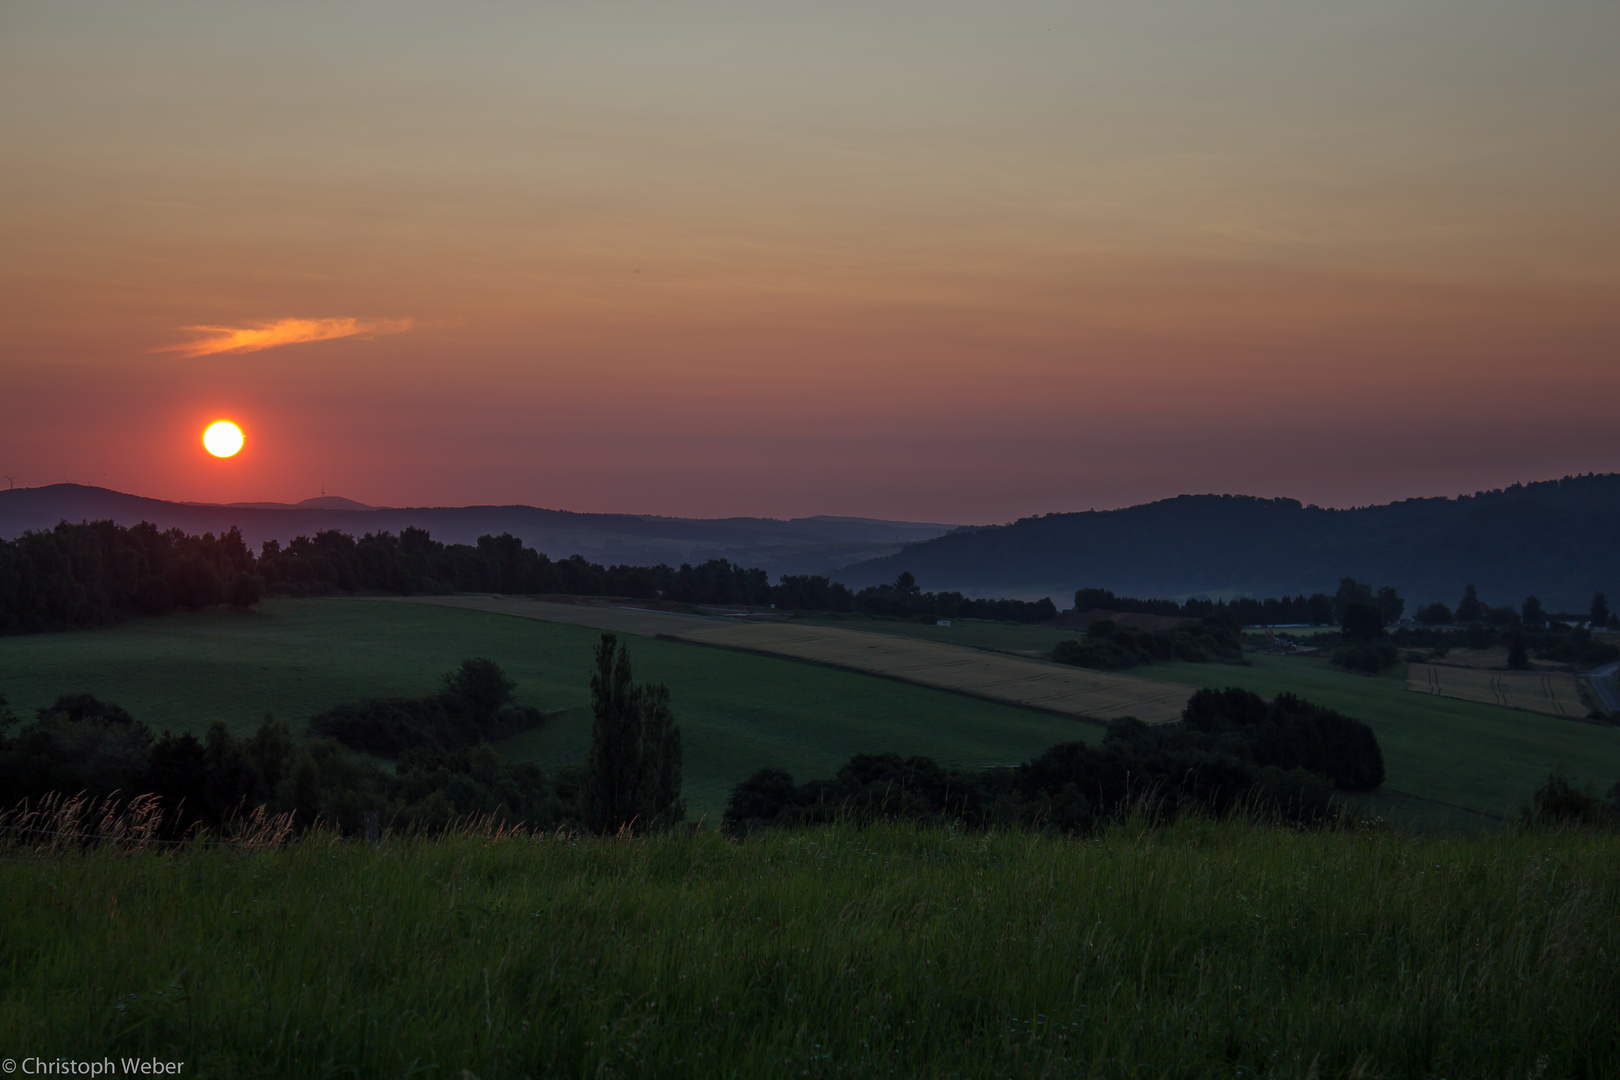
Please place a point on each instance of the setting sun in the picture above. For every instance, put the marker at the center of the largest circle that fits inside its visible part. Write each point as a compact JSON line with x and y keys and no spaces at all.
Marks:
{"x":223,"y":438}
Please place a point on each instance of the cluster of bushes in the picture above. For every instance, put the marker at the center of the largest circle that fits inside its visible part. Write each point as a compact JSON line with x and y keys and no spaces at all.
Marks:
{"x":475,"y":706}
{"x":1558,"y":802}
{"x":83,"y":745}
{"x":1366,"y":657}
{"x":445,"y":767}
{"x":1108,"y":646}
{"x":1231,"y":749}
{"x":77,"y":576}
{"x":1575,"y":646}
{"x":904,"y":599}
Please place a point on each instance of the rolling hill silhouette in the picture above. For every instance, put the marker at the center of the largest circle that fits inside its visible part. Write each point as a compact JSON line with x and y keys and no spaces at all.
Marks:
{"x":802,"y":545}
{"x":1558,"y":540}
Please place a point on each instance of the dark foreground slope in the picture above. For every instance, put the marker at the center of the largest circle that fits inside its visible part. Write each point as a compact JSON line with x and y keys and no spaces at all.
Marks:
{"x":799,"y":546}
{"x":1205,"y":949}
{"x":1559,"y":540}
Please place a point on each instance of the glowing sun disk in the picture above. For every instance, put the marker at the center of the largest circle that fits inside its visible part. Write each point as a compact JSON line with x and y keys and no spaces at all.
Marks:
{"x":223,"y":438}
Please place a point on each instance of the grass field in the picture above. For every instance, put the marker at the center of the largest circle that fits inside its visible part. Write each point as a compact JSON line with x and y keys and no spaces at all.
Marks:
{"x":995,"y":676}
{"x":1482,"y":757}
{"x":1203,"y":950}
{"x":294,"y":658}
{"x":741,"y":711}
{"x":1478,"y":757}
{"x":974,"y":633}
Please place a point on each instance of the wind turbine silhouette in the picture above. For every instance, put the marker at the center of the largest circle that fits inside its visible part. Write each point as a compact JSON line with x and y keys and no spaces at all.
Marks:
{"x":12,"y":480}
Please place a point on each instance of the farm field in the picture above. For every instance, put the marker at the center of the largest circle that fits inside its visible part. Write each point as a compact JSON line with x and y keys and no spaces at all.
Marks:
{"x":738,"y":711}
{"x":1203,"y":949}
{"x":1459,"y":763}
{"x":974,"y":633}
{"x":1479,"y":761}
{"x":1556,"y":693}
{"x":1484,"y":758}
{"x":1013,"y":680}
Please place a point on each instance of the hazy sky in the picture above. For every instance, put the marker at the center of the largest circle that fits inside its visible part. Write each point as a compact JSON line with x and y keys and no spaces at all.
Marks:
{"x":953,"y":262}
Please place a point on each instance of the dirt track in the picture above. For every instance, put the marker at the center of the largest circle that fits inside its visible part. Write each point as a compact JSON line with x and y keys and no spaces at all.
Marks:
{"x":1073,"y":691}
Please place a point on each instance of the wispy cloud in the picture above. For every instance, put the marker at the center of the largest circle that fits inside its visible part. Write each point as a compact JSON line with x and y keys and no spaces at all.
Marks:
{"x":269,"y":335}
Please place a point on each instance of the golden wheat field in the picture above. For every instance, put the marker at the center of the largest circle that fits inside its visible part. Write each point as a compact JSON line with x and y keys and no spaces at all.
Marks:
{"x":1556,"y":693}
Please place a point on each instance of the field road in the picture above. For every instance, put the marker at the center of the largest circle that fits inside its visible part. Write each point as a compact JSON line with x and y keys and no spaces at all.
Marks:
{"x":1072,"y":691}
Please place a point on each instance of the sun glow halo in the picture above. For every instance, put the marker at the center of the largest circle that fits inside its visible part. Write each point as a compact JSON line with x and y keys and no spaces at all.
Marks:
{"x":223,"y":438}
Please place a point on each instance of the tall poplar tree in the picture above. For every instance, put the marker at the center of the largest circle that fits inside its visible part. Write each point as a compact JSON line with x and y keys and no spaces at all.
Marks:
{"x":633,"y":772}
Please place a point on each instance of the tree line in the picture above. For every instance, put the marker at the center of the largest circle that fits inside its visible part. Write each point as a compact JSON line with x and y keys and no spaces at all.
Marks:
{"x":93,"y":574}
{"x":1318,"y":609}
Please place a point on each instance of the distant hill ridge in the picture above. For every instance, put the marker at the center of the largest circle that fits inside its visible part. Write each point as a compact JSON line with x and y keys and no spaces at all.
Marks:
{"x":1556,"y":539}
{"x":802,"y":545}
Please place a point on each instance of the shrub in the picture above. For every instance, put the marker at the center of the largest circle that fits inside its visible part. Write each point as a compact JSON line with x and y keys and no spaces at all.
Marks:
{"x":1367,"y":657}
{"x":1559,"y":802}
{"x":1233,"y":750}
{"x":1108,"y":646}
{"x":474,"y":707}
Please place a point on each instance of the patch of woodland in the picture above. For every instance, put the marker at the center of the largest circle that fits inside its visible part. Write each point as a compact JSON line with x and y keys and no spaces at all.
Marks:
{"x":446,"y":771}
{"x":1107,"y":646}
{"x":474,"y":706}
{"x":1232,"y":750}
{"x":96,"y":573}
{"x":80,"y":745}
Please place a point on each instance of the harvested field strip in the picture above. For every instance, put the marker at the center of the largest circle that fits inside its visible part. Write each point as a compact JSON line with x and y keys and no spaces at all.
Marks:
{"x":1556,"y":693}
{"x":619,"y":620}
{"x":1033,"y":684}
{"x":1030,"y":683}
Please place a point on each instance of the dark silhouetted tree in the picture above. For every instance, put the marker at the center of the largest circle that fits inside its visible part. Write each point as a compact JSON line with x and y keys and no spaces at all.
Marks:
{"x":1469,"y":608}
{"x":481,"y":685}
{"x":1532,"y":613}
{"x":1362,"y":622}
{"x":1600,"y":610}
{"x":633,"y":772}
{"x":1518,"y":658}
{"x":1435,"y":614}
{"x":1351,"y":592}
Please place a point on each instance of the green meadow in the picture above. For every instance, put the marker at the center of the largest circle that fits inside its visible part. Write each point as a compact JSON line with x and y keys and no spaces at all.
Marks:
{"x":1450,"y":763}
{"x":1205,"y":949}
{"x":1481,"y":757}
{"x":294,"y":658}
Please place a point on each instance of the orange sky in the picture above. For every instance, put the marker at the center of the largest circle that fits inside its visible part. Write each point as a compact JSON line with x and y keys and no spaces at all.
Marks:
{"x":945,"y":262}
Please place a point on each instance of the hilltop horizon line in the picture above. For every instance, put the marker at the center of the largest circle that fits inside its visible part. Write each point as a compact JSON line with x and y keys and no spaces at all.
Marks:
{"x":341,"y":503}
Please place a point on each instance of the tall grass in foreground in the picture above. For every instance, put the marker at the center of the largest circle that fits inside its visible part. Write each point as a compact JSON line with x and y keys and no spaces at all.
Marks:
{"x":1202,"y":949}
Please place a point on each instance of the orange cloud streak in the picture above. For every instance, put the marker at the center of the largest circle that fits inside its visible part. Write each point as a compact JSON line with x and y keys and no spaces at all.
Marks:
{"x":269,"y":335}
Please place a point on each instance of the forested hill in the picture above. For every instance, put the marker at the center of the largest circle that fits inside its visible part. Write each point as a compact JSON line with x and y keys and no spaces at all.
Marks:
{"x":1559,"y":540}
